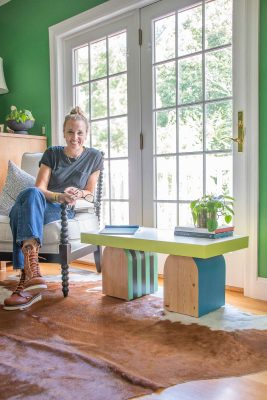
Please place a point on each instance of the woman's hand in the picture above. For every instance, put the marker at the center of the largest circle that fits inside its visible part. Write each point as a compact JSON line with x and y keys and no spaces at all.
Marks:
{"x":66,"y":198}
{"x":74,"y":192}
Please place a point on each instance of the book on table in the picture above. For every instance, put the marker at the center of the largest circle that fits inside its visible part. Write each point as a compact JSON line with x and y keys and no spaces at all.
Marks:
{"x":119,"y":229}
{"x":192,"y":231}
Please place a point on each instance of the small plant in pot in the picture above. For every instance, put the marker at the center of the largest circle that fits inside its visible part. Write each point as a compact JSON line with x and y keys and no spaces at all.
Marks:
{"x":19,"y":121}
{"x":209,"y":208}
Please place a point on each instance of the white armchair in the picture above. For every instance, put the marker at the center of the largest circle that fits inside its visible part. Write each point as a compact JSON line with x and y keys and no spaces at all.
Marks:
{"x":61,"y":239}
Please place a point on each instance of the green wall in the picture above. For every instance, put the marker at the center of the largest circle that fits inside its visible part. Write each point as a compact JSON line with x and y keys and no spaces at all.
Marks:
{"x":263,"y":144}
{"x":24,"y":47}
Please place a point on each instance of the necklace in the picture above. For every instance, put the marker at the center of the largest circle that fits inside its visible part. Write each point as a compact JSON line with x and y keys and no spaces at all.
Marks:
{"x":72,"y":159}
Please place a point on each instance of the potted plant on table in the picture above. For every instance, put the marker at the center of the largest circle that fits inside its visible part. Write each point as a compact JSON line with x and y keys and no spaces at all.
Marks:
{"x":209,"y":208}
{"x":19,"y":121}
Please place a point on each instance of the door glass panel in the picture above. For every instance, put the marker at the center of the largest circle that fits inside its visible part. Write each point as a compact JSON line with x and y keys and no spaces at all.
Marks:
{"x":98,"y":59}
{"x":118,"y":137}
{"x":118,"y":95}
{"x":190,"y":79}
{"x":99,"y":131}
{"x":193,"y":112}
{"x":165,"y":85}
{"x":219,"y":74}
{"x":165,"y":131}
{"x":82,"y":97}
{"x":166,"y":214}
{"x":190,"y":177}
{"x":81,"y":64}
{"x":219,"y":174}
{"x":117,"y":53}
{"x":166,"y":178}
{"x":103,"y":63}
{"x":190,"y":30}
{"x":191,"y":129}
{"x":119,"y":179}
{"x":218,"y":23}
{"x":165,"y":38}
{"x":219,"y":125}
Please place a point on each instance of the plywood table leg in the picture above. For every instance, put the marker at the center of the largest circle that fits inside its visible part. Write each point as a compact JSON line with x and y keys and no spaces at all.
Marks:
{"x":194,"y":286}
{"x":128,"y":274}
{"x":3,"y":265}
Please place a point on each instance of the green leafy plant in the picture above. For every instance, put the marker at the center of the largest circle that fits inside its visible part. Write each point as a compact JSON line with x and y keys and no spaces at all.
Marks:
{"x":209,"y":208}
{"x":19,"y":116}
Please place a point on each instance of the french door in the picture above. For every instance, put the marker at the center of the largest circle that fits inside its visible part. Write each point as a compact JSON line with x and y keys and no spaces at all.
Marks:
{"x":192,"y":89}
{"x":163,"y":107}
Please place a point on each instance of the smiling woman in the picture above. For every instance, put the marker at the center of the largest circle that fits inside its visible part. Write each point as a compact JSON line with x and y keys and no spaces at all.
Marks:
{"x":59,"y":180}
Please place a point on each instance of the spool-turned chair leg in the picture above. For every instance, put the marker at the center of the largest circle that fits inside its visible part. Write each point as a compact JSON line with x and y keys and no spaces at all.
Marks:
{"x":65,"y":279}
{"x":98,"y":258}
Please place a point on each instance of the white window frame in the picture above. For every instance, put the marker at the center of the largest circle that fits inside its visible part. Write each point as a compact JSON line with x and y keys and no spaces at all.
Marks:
{"x":58,"y":34}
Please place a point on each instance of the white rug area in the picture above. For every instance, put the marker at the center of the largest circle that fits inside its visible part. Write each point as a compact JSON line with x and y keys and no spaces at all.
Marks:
{"x":227,"y":318}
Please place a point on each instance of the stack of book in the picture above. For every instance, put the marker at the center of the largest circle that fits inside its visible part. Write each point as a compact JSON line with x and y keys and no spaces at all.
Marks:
{"x":192,"y":231}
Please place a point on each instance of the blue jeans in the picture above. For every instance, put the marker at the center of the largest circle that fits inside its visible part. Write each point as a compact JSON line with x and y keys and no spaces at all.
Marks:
{"x":28,"y":215}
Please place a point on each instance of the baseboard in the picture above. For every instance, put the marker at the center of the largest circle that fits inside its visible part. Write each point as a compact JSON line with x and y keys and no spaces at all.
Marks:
{"x":234,"y":289}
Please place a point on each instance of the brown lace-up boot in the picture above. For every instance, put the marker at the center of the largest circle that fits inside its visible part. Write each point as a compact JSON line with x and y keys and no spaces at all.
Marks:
{"x":33,"y":277}
{"x":19,"y":298}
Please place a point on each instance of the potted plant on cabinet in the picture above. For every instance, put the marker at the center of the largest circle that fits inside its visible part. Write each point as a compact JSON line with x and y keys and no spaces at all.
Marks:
{"x":209,"y":208}
{"x":19,"y":121}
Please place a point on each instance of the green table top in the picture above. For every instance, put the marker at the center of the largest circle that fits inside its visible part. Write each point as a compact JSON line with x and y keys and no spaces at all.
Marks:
{"x":164,"y":241}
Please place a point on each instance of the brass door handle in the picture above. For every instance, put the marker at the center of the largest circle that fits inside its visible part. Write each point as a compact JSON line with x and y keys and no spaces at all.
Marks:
{"x":236,"y":140}
{"x":241,"y":132}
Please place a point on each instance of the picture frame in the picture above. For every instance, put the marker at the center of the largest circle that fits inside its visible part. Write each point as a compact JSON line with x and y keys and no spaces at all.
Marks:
{"x":1,"y":128}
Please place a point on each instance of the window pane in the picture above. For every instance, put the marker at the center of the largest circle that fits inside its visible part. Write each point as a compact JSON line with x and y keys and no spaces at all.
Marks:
{"x":219,"y":174}
{"x":119,"y":179}
{"x":82,"y":98}
{"x":98,"y":59}
{"x":99,"y":131}
{"x":165,"y":38}
{"x":190,"y":177}
{"x":166,"y":178}
{"x":105,"y":193}
{"x":166,"y":215}
{"x":81,"y":64}
{"x":185,"y":216}
{"x":104,"y":216}
{"x":118,"y":95}
{"x":190,"y":31}
{"x":166,"y":132}
{"x":190,"y":129}
{"x":165,"y":85}
{"x":190,"y":79}
{"x":99,"y":99}
{"x":219,"y":125}
{"x":118,"y":137}
{"x":219,"y":74}
{"x":218,"y":23}
{"x":117,"y":53}
{"x":119,"y":212}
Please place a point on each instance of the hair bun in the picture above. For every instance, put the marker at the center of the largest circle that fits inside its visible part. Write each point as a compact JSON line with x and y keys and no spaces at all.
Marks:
{"x":76,"y":111}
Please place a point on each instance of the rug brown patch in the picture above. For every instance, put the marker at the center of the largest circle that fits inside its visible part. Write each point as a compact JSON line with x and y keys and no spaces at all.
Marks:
{"x":105,"y":348}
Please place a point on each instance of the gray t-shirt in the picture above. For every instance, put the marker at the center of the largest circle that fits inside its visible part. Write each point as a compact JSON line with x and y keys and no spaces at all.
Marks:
{"x":68,"y":171}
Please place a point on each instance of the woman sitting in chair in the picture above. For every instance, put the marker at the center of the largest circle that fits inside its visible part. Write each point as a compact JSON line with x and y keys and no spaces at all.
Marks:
{"x":66,"y":174}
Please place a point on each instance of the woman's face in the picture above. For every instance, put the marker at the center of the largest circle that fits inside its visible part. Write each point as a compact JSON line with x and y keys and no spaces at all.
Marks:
{"x":75,"y":134}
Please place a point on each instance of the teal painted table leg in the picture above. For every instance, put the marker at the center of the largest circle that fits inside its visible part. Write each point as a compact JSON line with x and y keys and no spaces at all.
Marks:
{"x":128,"y":274}
{"x":194,"y":286}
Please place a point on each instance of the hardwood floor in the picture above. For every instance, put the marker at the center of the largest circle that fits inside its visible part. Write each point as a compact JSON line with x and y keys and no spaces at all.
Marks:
{"x":249,"y":387}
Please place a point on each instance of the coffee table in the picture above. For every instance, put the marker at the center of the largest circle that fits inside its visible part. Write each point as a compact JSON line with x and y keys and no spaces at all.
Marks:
{"x":194,"y":271}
